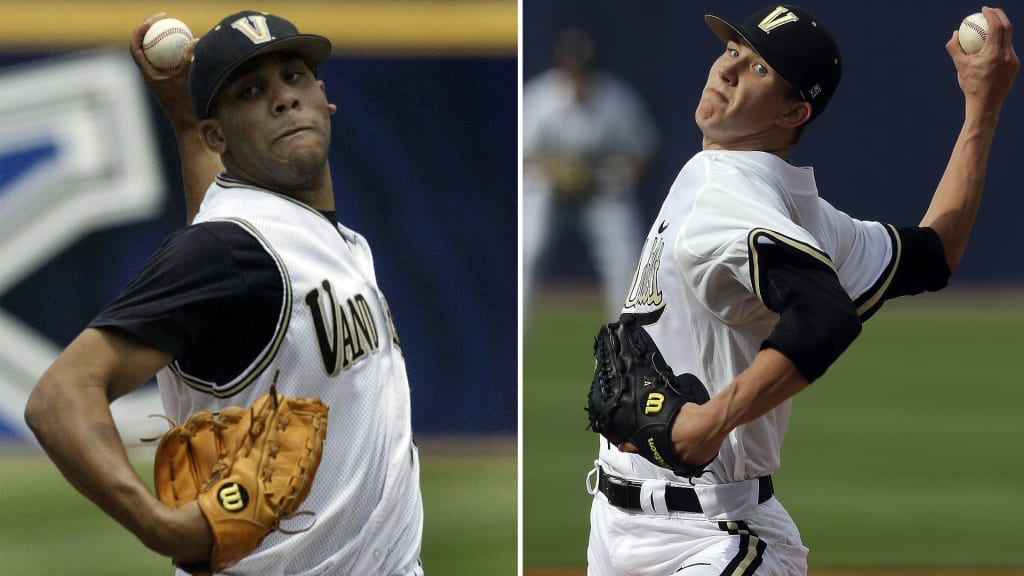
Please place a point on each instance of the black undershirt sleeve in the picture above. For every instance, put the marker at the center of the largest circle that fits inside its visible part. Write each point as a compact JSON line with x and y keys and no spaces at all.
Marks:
{"x":922,"y":265}
{"x":817,"y":319}
{"x":211,"y":295}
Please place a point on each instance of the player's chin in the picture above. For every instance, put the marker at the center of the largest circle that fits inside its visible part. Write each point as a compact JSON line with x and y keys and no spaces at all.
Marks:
{"x":297,"y":171}
{"x":303,"y":156}
{"x":705,"y":112}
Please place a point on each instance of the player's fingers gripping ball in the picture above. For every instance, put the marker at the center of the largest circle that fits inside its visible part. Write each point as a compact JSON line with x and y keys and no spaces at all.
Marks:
{"x":635,"y":396}
{"x":249,"y":468}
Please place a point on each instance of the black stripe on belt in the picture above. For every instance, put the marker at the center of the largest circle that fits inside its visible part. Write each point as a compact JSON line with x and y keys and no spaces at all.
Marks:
{"x":625,"y":494}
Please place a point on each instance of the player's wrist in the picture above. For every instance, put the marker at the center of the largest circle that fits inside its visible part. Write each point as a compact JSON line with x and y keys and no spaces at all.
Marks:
{"x":698,"y":431}
{"x":181,"y":533}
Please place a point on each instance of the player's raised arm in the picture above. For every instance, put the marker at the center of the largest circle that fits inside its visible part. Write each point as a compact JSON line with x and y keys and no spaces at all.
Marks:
{"x":985,"y":79}
{"x":199,"y":164}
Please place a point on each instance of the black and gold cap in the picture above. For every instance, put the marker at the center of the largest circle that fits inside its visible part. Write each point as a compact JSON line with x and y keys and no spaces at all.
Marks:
{"x":237,"y":39}
{"x":795,"y":44}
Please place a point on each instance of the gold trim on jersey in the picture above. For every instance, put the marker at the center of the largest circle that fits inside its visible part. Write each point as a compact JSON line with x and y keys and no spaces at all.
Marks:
{"x":755,"y":269}
{"x":242,"y":381}
{"x":871,"y":299}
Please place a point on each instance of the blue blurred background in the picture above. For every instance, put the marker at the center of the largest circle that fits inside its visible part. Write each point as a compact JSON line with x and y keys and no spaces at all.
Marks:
{"x":424,"y":159}
{"x":878,"y":151}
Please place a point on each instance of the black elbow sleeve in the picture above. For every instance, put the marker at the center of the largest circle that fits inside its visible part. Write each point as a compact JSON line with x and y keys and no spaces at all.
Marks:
{"x":817,"y":319}
{"x":921,"y":264}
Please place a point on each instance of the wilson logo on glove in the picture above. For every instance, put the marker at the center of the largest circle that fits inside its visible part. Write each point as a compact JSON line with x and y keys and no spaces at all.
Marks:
{"x":654,"y":402}
{"x":233,"y":497}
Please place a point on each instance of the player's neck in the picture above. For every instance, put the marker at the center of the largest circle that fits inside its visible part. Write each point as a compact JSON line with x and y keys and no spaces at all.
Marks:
{"x":317,"y":193}
{"x":320,"y":196}
{"x":780,"y":149}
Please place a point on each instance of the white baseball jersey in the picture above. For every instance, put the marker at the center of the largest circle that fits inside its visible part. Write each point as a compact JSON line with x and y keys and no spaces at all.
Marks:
{"x":334,"y":339}
{"x":693,"y":287}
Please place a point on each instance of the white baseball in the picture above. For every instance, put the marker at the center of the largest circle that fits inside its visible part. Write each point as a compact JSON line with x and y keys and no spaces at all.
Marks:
{"x":165,"y":42}
{"x":973,"y":32}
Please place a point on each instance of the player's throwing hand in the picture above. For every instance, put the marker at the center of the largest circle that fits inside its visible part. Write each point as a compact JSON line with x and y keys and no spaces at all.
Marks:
{"x":986,"y":77}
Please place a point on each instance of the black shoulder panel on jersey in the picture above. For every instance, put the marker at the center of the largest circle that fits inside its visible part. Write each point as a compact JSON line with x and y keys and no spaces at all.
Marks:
{"x":817,"y":319}
{"x":211,"y":295}
{"x":918,"y":264}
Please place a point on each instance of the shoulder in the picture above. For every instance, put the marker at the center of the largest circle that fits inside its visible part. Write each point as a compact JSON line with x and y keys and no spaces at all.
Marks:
{"x":206,"y":239}
{"x":218,"y":253}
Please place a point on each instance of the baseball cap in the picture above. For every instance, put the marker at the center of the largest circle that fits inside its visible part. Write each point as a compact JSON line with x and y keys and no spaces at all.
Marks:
{"x":795,"y":44}
{"x":237,"y":39}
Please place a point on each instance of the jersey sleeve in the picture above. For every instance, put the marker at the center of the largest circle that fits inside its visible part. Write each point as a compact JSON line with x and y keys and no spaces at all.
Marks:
{"x":211,"y":295}
{"x":877,"y":261}
{"x":713,"y":247}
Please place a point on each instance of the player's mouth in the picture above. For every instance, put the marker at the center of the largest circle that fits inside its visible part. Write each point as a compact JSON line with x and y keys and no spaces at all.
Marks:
{"x":292,"y":132}
{"x":716,"y":93}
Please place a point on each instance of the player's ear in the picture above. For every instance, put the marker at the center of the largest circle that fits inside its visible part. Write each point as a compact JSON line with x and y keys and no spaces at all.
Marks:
{"x":213,"y":135}
{"x":796,"y":114}
{"x":331,"y":108}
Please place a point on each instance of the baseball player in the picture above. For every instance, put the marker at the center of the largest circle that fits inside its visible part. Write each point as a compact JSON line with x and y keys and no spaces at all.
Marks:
{"x":264,"y":285}
{"x":755,"y":284}
{"x":587,"y":138}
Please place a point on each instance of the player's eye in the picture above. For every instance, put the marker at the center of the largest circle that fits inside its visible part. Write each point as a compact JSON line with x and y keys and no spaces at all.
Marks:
{"x":293,"y":75}
{"x":761,"y":69}
{"x":733,"y":52}
{"x":247,"y":91}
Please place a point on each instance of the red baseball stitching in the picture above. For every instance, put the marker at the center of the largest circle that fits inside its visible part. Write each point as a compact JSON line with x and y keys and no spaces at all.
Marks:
{"x":163,"y":35}
{"x":977,"y":28}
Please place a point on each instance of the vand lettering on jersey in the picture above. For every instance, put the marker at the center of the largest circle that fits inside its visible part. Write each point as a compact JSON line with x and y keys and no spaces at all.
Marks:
{"x":345,"y":331}
{"x":644,"y":290}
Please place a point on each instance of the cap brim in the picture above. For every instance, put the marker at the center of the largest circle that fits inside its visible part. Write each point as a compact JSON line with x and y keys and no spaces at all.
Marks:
{"x":726,"y":30}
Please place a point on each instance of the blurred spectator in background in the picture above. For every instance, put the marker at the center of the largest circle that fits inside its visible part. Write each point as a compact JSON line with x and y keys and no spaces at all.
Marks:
{"x":587,"y":138}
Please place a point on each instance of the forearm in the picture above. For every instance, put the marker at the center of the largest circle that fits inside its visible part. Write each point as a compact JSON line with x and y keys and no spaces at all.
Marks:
{"x":985,"y":79}
{"x":74,"y":425}
{"x":199,"y":167}
{"x":69,"y":412}
{"x":771,"y":379}
{"x":199,"y":164}
{"x":955,"y":203}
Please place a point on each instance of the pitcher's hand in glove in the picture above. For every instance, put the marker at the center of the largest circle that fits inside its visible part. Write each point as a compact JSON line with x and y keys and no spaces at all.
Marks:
{"x":635,"y":396}
{"x":248,"y":469}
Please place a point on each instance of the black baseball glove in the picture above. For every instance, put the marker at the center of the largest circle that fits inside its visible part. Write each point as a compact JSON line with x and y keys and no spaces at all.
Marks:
{"x":635,"y":396}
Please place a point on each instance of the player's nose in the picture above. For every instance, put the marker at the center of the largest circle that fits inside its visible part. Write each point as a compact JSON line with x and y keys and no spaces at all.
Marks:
{"x":285,"y":98}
